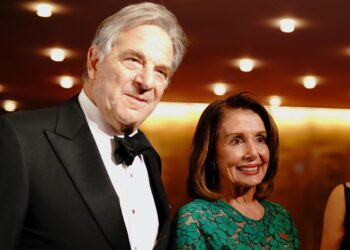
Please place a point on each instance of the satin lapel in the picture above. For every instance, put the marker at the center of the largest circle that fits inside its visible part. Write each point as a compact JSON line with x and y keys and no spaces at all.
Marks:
{"x":153,"y":165}
{"x":76,"y":149}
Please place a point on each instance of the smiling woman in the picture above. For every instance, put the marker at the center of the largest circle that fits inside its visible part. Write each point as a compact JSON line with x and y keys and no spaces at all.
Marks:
{"x":233,"y":163}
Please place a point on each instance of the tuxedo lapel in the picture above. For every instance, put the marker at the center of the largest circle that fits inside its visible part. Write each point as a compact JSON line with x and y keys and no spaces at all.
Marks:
{"x":152,"y":161}
{"x":153,"y":164}
{"x":74,"y":145}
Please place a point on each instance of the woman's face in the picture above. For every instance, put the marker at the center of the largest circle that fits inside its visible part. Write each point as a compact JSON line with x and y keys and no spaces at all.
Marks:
{"x":242,"y":155}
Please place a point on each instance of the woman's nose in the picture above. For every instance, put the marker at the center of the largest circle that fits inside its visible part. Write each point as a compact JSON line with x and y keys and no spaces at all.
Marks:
{"x":251,"y":150}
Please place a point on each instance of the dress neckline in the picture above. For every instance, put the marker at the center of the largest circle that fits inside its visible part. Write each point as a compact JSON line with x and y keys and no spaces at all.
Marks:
{"x":224,"y":204}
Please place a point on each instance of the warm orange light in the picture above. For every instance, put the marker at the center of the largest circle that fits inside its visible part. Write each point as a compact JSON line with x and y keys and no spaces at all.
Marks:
{"x":316,"y":116}
{"x":175,"y":112}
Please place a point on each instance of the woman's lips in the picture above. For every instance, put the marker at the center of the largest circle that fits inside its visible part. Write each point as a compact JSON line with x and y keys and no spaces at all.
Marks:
{"x":250,"y":169}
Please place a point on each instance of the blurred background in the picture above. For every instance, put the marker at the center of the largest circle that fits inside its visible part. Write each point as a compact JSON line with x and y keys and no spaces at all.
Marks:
{"x":293,"y":55}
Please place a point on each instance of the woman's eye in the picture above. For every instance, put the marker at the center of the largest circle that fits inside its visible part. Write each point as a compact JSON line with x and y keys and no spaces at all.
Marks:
{"x":235,"y":140}
{"x":261,"y":139}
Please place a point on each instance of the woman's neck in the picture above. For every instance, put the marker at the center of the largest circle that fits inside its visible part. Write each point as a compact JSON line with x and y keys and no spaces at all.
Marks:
{"x":242,"y":199}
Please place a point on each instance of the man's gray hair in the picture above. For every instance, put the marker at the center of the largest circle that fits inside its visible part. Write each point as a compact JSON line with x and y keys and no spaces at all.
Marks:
{"x":135,"y":15}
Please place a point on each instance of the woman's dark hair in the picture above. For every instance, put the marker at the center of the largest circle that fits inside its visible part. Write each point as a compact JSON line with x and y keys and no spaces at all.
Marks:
{"x":203,"y":181}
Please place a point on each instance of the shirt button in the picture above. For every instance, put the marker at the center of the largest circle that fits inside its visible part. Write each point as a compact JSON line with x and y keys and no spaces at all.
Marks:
{"x":133,"y":211}
{"x":131,"y":175}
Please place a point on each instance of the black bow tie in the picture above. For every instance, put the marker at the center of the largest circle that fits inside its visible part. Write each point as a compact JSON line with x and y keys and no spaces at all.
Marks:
{"x":128,"y":147}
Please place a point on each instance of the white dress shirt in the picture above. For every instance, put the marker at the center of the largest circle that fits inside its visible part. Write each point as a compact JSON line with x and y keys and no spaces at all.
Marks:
{"x":131,"y":183}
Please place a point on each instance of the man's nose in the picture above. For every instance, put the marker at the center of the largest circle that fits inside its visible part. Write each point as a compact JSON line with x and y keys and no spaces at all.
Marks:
{"x":145,"y":78}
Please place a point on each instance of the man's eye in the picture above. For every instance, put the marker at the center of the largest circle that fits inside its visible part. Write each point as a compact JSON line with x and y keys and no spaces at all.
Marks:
{"x":163,"y":73}
{"x":133,"y":59}
{"x":132,"y":62}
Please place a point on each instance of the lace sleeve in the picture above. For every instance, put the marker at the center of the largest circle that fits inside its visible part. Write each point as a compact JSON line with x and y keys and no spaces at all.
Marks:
{"x":186,"y":230}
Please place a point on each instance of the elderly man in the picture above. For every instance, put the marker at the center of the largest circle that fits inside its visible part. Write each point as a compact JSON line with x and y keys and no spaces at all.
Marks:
{"x":82,"y":175}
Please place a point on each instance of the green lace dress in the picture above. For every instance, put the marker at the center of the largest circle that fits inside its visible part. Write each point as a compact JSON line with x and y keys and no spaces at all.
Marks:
{"x":203,"y":224}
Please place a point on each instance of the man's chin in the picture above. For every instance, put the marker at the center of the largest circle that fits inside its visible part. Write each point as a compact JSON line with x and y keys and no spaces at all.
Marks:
{"x":131,"y":125}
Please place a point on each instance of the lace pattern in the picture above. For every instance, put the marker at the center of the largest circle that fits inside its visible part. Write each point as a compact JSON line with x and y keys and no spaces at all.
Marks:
{"x":216,"y":225}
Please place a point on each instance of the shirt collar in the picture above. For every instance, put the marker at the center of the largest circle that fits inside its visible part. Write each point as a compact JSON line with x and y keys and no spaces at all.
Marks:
{"x":94,"y":116}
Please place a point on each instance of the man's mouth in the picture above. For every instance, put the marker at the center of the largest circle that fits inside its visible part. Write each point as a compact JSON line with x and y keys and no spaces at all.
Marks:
{"x":137,"y":98}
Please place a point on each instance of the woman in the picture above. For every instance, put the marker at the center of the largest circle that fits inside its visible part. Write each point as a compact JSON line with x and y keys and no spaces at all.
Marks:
{"x":232,"y":166}
{"x":336,"y":221}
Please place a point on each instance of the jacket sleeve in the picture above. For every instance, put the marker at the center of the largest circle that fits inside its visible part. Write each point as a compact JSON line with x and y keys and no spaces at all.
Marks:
{"x":14,"y":185}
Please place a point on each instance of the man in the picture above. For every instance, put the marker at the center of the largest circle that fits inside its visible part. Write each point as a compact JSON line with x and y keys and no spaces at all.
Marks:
{"x":66,"y":181}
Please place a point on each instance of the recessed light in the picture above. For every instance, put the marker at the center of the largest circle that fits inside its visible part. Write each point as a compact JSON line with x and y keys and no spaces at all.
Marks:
{"x":275,"y":100}
{"x":44,"y":10}
{"x":287,"y":25}
{"x":309,"y":82}
{"x":246,"y":64}
{"x":219,"y":89}
{"x":57,"y":54}
{"x":66,"y":82}
{"x":9,"y":105}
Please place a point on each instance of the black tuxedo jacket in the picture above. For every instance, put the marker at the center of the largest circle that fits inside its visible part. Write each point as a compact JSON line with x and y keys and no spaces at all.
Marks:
{"x":55,"y":192}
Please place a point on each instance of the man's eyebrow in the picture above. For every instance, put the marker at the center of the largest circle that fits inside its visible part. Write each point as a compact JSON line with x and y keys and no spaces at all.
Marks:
{"x":142,"y":56}
{"x":133,"y":52}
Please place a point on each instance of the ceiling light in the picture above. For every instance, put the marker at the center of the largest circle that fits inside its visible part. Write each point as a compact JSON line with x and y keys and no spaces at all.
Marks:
{"x":57,"y":54}
{"x":287,"y":25}
{"x":309,"y":82}
{"x":66,"y":82}
{"x":219,"y":89}
{"x":2,"y":88}
{"x":275,"y":100}
{"x":9,"y":105}
{"x":44,"y":10}
{"x":246,"y":64}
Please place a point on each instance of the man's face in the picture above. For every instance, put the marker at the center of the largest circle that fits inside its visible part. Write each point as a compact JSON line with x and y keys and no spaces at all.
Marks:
{"x":127,"y":84}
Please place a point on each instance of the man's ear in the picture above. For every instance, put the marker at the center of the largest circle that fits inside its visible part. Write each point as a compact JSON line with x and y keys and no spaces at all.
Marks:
{"x":92,"y":61}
